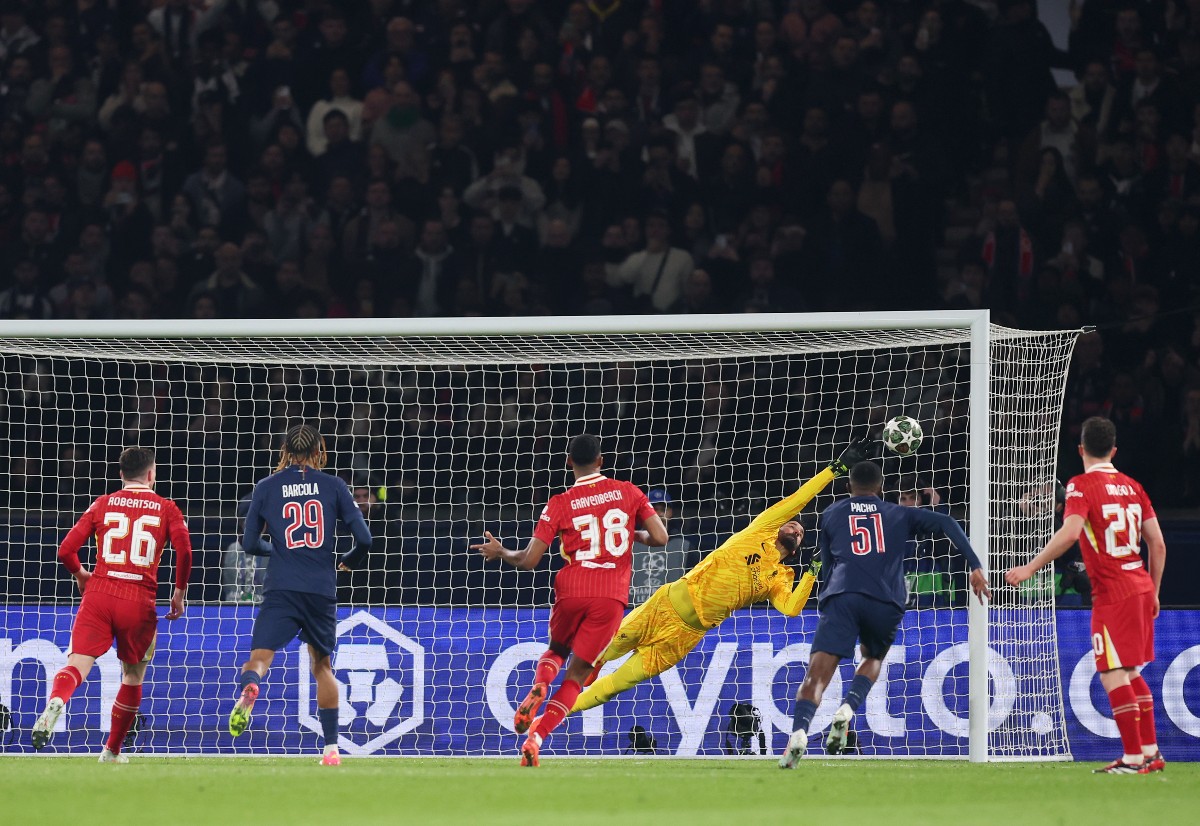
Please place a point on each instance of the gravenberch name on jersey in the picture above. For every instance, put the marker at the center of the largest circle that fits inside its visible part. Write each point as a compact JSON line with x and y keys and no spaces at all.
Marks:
{"x":130,"y":502}
{"x":301,"y":489}
{"x":596,"y":499}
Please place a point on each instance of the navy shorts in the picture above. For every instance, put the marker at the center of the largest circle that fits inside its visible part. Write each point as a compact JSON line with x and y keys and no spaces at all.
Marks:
{"x":846,"y":618}
{"x":284,"y":614}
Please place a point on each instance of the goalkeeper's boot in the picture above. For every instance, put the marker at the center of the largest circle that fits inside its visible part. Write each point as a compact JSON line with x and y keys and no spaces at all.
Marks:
{"x":107,"y":756}
{"x":1153,"y":764}
{"x":530,"y":751}
{"x":331,"y":757}
{"x":529,"y":707}
{"x":835,"y":743}
{"x":796,"y":746}
{"x":43,"y":729}
{"x":1120,"y":767}
{"x":239,"y":718}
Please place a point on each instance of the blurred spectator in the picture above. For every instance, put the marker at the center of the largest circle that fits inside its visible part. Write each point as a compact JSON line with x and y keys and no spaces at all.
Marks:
{"x":655,"y":275}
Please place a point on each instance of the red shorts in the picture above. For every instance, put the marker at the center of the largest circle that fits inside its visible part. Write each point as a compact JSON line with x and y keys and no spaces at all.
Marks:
{"x":586,"y":625}
{"x":1123,"y":632}
{"x":101,"y":617}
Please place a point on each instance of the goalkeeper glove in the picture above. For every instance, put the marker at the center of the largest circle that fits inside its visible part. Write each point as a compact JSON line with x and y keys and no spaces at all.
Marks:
{"x":814,"y":567}
{"x":857,"y":452}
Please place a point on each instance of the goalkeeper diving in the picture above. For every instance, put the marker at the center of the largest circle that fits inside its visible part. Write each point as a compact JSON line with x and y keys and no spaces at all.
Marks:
{"x":748,"y":567}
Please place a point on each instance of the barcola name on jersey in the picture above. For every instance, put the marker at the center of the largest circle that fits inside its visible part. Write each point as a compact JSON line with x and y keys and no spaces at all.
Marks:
{"x":302,"y":489}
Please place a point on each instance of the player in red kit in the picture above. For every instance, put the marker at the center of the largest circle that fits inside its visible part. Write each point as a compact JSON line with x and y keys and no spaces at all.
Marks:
{"x":1109,"y":513}
{"x":131,"y":527}
{"x":596,"y":521}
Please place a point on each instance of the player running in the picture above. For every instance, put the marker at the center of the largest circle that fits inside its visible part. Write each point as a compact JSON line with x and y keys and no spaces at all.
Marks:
{"x":750,"y":566}
{"x":300,"y":506}
{"x":863,"y":540}
{"x":1108,"y":512}
{"x":131,"y":527}
{"x":593,"y":521}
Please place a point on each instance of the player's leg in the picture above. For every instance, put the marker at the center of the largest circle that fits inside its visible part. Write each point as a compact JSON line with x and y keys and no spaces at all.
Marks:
{"x":837,"y":631}
{"x":68,"y":678}
{"x":91,"y":636}
{"x":276,"y":624}
{"x":864,"y":677}
{"x":318,"y":628}
{"x":137,"y":626}
{"x":125,"y":709}
{"x":878,"y":623}
{"x":1117,"y":647}
{"x":661,"y":638}
{"x":1154,"y":761}
{"x":1127,"y":716}
{"x":327,"y":705}
{"x":565,"y":617}
{"x":600,"y":618}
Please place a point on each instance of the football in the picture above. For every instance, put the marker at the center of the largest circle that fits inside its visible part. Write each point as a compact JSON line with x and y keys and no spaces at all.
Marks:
{"x":902,"y":435}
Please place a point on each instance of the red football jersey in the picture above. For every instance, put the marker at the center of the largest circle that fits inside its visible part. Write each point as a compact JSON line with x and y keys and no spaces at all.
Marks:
{"x":131,"y":527}
{"x":1113,"y":507}
{"x":595,"y":521}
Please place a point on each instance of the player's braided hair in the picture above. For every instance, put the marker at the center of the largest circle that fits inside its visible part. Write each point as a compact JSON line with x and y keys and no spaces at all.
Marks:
{"x":302,"y":445}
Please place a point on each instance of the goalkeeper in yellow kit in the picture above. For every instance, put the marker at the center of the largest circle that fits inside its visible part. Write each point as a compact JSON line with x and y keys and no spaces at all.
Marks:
{"x":747,"y":568}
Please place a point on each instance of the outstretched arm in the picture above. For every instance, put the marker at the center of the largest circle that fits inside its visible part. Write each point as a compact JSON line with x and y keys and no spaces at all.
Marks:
{"x":1058,"y":545}
{"x":525,"y":559}
{"x":779,"y":513}
{"x":948,"y":526}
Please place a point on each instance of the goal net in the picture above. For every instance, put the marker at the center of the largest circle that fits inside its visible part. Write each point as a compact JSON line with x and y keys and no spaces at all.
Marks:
{"x":445,"y":429}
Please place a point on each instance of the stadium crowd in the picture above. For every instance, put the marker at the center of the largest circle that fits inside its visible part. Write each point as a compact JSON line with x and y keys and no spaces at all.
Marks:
{"x":301,"y":158}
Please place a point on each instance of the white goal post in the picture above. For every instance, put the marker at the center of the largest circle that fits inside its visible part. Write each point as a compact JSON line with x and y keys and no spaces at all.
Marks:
{"x":448,"y":426}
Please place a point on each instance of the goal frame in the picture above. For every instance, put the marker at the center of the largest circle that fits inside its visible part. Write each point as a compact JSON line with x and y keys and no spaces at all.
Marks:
{"x":975,"y":323}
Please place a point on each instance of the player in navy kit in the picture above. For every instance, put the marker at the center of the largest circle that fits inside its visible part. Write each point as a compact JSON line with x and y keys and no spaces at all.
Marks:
{"x":300,"y":507}
{"x":863,"y":542}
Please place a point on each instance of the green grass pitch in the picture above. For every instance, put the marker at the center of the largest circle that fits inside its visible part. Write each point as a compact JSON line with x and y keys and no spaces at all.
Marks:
{"x":182,"y":791}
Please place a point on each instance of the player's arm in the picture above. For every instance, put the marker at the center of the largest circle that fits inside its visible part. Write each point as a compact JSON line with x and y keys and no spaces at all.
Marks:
{"x":948,"y":527}
{"x":252,"y":541}
{"x":68,"y":550}
{"x":1059,"y":544}
{"x":1156,"y":554}
{"x":789,"y":597}
{"x":351,"y":516}
{"x":784,"y":510}
{"x":653,"y":532}
{"x":181,"y":541}
{"x":526,"y":559}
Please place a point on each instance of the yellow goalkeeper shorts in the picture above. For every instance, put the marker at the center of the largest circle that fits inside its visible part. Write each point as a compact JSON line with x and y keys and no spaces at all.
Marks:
{"x":656,"y":630}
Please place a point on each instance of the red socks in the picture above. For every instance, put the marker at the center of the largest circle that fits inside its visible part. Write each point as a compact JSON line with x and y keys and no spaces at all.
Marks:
{"x":1128,"y":716}
{"x":1145,"y":701}
{"x":124,"y":712}
{"x":559,"y":707}
{"x":547,"y":668}
{"x":65,"y":682}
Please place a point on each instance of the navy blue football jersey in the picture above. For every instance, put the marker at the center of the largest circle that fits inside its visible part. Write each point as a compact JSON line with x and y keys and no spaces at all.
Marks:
{"x":864,"y":541}
{"x":300,"y":508}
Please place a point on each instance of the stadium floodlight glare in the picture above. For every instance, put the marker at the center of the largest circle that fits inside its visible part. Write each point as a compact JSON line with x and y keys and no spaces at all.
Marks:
{"x":461,"y":424}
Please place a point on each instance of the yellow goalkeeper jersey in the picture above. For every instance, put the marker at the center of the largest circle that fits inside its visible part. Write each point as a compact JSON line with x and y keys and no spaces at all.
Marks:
{"x":746,"y":568}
